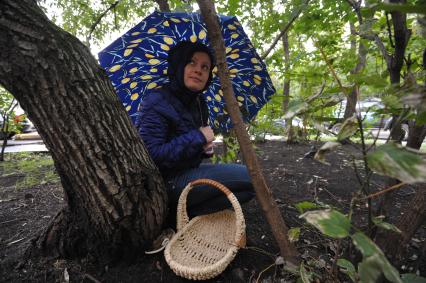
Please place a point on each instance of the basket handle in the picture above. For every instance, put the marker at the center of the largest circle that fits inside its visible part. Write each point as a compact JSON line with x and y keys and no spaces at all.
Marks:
{"x":182,"y":214}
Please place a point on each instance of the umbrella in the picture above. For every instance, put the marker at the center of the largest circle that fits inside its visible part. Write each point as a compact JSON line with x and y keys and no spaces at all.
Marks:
{"x":137,"y":63}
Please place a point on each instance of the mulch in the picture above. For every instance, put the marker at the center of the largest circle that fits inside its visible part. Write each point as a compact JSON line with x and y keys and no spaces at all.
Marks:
{"x":291,"y":173}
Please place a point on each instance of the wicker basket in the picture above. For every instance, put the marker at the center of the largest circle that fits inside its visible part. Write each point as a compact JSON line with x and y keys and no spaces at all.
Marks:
{"x":203,"y":247}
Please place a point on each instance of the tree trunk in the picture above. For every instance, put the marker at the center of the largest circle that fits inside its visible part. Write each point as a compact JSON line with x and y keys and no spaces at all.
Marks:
{"x":401,"y":37}
{"x":263,"y":193}
{"x":288,"y":130}
{"x":352,"y":98}
{"x":115,"y":197}
{"x":413,"y":216}
{"x":395,"y":63}
{"x":164,"y":5}
{"x":416,"y":135}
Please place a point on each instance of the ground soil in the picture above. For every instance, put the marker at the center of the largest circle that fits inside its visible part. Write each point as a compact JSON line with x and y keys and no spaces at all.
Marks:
{"x":292,"y":174}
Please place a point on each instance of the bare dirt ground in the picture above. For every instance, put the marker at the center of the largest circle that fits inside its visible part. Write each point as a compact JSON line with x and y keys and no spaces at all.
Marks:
{"x":292,"y":176}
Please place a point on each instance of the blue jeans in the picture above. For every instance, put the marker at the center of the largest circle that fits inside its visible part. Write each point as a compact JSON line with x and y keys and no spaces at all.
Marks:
{"x":206,"y":199}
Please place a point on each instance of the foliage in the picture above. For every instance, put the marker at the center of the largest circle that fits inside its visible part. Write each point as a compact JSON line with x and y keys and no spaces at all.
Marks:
{"x":407,"y":165}
{"x":308,"y":71}
{"x":7,"y":106}
{"x":231,"y":150}
{"x":336,"y":225}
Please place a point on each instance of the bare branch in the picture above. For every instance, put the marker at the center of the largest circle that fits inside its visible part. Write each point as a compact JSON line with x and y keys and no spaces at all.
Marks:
{"x":98,"y":20}
{"x":285,"y":29}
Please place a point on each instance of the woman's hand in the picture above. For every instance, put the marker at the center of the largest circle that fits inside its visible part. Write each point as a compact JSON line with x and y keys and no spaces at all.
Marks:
{"x":208,"y":148}
{"x":208,"y":134}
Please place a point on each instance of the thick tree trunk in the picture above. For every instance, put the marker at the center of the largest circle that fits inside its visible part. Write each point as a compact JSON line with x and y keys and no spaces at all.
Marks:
{"x":114,"y":194}
{"x":413,"y":216}
{"x":263,"y":193}
{"x":416,"y":136}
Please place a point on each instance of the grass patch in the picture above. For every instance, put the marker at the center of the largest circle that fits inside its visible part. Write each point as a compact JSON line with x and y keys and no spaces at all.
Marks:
{"x":30,"y":168}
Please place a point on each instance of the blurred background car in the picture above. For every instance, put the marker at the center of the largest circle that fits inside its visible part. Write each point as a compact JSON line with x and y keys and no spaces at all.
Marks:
{"x":375,"y":121}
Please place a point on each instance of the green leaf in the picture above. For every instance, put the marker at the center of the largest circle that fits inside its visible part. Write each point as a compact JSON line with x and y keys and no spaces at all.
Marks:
{"x":348,"y":129}
{"x":296,"y":109}
{"x":404,"y":8}
{"x":366,"y":246}
{"x":378,"y":221}
{"x":330,"y":222}
{"x":327,"y":147}
{"x":305,"y":205}
{"x":407,"y":165}
{"x":347,"y":267}
{"x":294,"y":234}
{"x":369,"y":269}
{"x":374,"y":262}
{"x":412,"y":278}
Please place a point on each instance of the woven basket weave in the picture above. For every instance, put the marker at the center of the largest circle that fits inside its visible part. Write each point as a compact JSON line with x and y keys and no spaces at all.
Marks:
{"x":203,"y":247}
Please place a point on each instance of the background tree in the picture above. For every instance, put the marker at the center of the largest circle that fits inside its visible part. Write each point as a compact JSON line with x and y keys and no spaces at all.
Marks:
{"x":7,"y":106}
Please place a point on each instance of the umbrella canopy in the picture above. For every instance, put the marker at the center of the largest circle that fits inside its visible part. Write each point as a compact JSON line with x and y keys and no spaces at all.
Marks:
{"x":137,"y":63}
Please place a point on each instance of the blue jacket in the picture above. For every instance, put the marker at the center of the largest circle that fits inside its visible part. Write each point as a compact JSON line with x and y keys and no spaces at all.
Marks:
{"x":170,"y":131}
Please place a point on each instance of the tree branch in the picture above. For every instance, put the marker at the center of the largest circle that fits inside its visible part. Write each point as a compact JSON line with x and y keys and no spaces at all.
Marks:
{"x":98,"y":20}
{"x":374,"y":37}
{"x":164,"y":5}
{"x":285,"y":29}
{"x":389,"y":30}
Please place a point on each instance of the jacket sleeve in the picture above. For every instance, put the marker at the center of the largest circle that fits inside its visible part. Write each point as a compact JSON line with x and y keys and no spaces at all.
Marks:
{"x":153,"y":126}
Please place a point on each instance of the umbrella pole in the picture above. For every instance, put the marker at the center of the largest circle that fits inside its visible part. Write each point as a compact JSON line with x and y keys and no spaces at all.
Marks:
{"x":263,"y":193}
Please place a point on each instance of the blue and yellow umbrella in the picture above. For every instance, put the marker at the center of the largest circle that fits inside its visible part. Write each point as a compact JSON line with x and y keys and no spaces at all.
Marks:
{"x":137,"y":63}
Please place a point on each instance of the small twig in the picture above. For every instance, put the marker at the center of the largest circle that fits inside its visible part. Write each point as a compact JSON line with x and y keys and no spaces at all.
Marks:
{"x":59,"y":198}
{"x":88,"y":276}
{"x":9,"y":221}
{"x":333,"y":196}
{"x":336,"y":257}
{"x":357,"y":174}
{"x":394,"y":187}
{"x":260,"y":274}
{"x":259,"y":250}
{"x":16,"y":241}
{"x":313,"y":244}
{"x":333,"y":72}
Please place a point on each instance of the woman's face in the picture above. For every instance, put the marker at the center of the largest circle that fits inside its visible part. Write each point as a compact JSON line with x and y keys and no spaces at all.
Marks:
{"x":197,"y":71}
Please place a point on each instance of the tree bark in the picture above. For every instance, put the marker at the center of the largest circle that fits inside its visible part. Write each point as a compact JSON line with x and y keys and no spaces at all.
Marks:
{"x":352,"y":98}
{"x":288,"y":130}
{"x":164,"y":5}
{"x":413,"y":216}
{"x":401,"y":37}
{"x":416,"y":135}
{"x":263,"y":193}
{"x":115,"y":197}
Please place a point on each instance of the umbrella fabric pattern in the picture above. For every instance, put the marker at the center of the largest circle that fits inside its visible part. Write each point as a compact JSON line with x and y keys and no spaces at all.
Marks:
{"x":137,"y":63}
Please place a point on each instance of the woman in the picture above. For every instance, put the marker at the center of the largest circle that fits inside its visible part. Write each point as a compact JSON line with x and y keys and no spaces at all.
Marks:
{"x":172,"y":121}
